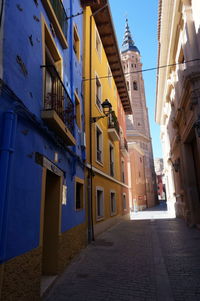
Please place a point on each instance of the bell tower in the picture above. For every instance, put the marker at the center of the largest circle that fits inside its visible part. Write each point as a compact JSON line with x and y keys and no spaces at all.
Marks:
{"x":137,"y":124}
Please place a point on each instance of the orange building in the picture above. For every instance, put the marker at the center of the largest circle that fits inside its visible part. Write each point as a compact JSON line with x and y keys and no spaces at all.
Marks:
{"x":137,"y":176}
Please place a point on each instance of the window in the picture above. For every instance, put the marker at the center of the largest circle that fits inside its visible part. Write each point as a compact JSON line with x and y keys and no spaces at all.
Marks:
{"x":99,"y":145}
{"x":98,"y":93}
{"x":99,"y":203}
{"x":53,"y":91}
{"x":76,"y":43}
{"x":123,"y":173}
{"x":111,"y":152}
{"x":124,"y":201}
{"x":58,"y":19}
{"x":79,"y":193}
{"x":128,"y":85}
{"x":78,"y":110}
{"x":135,"y":87}
{"x":113,"y":207}
{"x":109,"y":76}
{"x":98,"y":44}
{"x":132,"y":66}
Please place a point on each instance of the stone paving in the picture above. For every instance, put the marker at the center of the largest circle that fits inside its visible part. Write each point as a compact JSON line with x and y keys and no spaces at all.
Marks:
{"x":152,"y":259}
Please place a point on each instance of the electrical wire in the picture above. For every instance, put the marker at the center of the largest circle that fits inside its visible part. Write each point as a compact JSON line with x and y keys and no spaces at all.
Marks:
{"x":76,"y":15}
{"x":144,"y":70}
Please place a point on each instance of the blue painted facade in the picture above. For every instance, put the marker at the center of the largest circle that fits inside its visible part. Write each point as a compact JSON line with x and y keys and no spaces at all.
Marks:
{"x":23,"y":133}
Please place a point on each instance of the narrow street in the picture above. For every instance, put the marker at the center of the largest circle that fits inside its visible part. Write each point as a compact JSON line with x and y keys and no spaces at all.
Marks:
{"x":152,"y":259}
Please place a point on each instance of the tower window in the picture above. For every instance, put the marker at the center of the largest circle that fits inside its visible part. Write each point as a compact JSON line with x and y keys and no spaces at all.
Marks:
{"x":135,"y":87}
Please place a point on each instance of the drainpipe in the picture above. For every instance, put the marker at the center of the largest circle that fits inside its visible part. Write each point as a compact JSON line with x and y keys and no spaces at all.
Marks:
{"x":6,"y":150}
{"x":71,"y":52}
{"x":90,"y":205}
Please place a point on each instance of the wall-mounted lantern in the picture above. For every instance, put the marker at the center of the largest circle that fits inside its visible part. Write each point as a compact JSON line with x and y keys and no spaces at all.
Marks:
{"x":107,"y":110}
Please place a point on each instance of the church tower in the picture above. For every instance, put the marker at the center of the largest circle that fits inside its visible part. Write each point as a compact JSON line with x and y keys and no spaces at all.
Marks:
{"x":137,"y":124}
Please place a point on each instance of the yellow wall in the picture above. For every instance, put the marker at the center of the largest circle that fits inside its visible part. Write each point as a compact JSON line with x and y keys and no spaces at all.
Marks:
{"x":100,"y":68}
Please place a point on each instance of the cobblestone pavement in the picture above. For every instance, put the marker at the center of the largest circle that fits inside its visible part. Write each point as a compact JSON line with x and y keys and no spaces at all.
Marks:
{"x":154,"y":259}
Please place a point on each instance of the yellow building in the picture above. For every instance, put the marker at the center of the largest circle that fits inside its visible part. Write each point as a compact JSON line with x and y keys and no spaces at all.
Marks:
{"x":103,"y":80}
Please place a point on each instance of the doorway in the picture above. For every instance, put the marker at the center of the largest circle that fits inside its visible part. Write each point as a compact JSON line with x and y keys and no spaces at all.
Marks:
{"x":51,"y":224}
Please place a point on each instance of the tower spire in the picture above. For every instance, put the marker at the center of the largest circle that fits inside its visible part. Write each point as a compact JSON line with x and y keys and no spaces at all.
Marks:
{"x":128,"y":43}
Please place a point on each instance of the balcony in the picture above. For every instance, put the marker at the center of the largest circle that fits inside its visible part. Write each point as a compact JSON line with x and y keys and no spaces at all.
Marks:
{"x":58,"y":18}
{"x":124,"y":146}
{"x":58,"y":111}
{"x":113,"y":127}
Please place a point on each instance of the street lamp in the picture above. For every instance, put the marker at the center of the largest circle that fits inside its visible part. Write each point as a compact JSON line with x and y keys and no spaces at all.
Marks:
{"x":107,"y":109}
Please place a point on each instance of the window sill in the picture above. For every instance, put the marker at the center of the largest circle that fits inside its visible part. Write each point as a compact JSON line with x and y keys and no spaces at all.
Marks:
{"x":99,"y":162}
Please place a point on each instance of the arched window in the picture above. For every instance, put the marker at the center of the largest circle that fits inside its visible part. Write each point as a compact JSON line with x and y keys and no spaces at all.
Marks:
{"x":135,"y":87}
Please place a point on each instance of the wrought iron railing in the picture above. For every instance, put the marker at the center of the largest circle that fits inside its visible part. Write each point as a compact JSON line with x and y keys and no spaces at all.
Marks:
{"x":61,"y":15}
{"x":57,"y":98}
{"x":113,"y":122}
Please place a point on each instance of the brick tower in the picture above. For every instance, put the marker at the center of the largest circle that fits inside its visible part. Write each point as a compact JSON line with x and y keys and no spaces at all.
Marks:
{"x":137,"y":124}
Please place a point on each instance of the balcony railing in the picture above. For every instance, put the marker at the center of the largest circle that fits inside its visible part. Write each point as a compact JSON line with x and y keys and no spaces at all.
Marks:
{"x":57,"y":97}
{"x":113,"y":122}
{"x":61,"y":15}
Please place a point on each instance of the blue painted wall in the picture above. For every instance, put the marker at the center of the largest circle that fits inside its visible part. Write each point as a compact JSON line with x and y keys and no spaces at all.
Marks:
{"x":32,"y":134}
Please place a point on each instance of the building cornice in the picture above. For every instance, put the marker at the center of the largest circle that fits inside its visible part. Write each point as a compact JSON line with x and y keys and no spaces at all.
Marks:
{"x":104,"y":24}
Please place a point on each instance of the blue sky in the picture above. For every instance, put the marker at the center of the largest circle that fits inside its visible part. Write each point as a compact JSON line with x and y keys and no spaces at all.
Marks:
{"x":142,"y":18}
